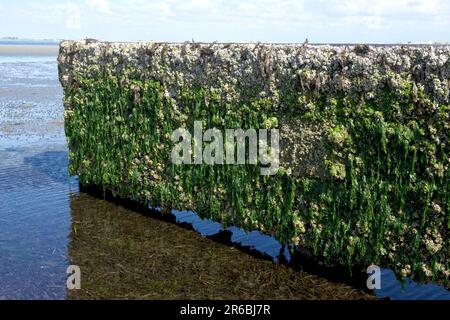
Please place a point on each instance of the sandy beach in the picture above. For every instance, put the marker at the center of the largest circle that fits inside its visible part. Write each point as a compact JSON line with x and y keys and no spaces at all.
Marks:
{"x":28,"y":50}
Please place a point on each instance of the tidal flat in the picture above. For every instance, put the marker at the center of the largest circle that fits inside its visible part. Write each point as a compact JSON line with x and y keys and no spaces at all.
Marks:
{"x":27,"y":50}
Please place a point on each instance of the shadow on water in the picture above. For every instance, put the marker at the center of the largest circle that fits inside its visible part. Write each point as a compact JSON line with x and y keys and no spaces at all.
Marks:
{"x":53,"y":164}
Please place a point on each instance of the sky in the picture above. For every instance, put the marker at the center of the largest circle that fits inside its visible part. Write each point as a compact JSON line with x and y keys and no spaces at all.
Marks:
{"x":321,"y":21}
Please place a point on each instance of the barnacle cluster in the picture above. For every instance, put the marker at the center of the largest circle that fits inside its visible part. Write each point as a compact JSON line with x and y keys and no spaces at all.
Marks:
{"x":364,"y":175}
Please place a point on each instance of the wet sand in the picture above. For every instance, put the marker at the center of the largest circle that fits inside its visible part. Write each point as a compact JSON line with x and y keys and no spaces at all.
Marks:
{"x":28,"y":50}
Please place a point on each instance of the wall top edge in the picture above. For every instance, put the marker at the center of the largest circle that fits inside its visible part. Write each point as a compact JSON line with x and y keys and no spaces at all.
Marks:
{"x":284,"y":44}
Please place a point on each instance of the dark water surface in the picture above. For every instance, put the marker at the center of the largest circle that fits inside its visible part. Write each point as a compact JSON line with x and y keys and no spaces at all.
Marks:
{"x":38,"y":201}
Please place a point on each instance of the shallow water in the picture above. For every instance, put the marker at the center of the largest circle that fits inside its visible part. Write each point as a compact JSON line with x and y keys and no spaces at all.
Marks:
{"x":38,"y":199}
{"x":34,"y":189}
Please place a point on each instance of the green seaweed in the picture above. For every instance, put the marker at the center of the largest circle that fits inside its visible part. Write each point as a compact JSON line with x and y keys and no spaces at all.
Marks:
{"x":386,"y":199}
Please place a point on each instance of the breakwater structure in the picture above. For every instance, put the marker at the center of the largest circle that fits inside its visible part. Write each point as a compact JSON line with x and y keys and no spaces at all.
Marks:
{"x":362,"y":174}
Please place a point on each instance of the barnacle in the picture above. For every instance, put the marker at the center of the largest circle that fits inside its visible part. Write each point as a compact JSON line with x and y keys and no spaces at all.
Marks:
{"x":364,"y":139}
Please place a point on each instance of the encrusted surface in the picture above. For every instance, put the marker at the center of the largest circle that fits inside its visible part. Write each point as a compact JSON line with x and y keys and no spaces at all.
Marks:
{"x":265,"y":68}
{"x":364,"y":140}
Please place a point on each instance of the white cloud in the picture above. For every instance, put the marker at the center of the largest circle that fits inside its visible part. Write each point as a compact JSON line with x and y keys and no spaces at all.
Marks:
{"x":102,"y":6}
{"x":386,"y":14}
{"x":238,"y":20}
{"x":73,"y":16}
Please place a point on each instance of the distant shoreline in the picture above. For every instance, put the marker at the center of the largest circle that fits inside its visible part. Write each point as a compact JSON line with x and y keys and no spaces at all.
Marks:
{"x":31,"y":42}
{"x":28,"y":50}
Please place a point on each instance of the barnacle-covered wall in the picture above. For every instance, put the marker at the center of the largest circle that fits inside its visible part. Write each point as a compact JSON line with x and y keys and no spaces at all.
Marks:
{"x":364,"y":140}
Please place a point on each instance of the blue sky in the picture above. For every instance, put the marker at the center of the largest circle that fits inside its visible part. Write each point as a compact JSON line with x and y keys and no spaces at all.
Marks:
{"x":331,"y":21}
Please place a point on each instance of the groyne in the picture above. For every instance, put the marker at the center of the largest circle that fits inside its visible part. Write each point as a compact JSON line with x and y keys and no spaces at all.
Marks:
{"x":362,"y":170}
